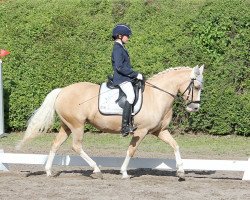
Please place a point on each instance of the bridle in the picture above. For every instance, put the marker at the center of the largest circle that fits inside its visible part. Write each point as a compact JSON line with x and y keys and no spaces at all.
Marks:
{"x":190,"y":89}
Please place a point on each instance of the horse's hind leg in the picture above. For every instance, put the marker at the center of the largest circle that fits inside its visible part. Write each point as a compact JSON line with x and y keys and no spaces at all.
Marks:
{"x":60,"y":138}
{"x":167,"y":137}
{"x":77,"y":147}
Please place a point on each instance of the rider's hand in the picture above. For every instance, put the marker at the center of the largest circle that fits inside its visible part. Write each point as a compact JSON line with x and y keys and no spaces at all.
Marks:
{"x":139,"y":77}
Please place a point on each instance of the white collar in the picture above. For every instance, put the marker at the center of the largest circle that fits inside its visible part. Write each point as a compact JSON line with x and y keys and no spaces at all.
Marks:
{"x":120,"y":42}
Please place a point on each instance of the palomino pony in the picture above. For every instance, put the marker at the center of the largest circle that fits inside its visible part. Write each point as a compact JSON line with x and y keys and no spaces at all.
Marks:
{"x":153,"y":118}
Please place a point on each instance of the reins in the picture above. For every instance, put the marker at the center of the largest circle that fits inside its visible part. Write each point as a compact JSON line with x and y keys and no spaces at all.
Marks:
{"x":154,"y":86}
{"x":190,"y":89}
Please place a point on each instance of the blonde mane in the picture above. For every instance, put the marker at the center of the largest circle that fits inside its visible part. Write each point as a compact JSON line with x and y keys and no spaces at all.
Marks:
{"x":168,"y":70}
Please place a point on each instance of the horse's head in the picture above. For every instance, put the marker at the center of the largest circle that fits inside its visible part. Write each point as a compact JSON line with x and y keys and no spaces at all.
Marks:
{"x":191,"y":89}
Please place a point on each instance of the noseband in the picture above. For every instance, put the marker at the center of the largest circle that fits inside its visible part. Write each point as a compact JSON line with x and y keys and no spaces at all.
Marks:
{"x":190,"y":89}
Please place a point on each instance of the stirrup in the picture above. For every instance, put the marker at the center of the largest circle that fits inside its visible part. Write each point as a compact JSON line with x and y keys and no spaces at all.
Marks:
{"x":127,"y":129}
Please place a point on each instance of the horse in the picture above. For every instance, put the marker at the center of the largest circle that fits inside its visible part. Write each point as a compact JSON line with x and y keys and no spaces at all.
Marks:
{"x":77,"y":104}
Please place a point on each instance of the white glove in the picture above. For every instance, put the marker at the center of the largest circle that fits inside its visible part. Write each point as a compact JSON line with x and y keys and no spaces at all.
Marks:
{"x":139,"y":76}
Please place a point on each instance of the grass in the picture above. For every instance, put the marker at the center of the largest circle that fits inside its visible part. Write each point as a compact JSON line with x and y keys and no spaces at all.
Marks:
{"x":204,"y":146}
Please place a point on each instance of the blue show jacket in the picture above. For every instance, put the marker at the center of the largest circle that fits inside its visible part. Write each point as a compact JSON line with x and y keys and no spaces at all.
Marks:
{"x":121,"y":65}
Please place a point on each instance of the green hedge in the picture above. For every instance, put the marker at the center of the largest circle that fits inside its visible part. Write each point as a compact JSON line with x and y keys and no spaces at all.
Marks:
{"x":56,"y":43}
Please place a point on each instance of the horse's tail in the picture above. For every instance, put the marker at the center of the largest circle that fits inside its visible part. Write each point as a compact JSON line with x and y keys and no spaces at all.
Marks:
{"x":42,"y":119}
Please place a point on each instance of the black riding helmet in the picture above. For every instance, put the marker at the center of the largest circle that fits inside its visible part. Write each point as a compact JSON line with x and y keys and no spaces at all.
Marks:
{"x":121,"y":29}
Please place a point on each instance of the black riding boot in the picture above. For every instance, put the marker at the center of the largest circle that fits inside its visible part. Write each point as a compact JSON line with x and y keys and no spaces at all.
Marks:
{"x":127,"y":126}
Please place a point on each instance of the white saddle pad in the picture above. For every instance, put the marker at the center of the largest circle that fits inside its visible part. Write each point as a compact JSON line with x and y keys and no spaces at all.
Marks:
{"x":107,"y":104}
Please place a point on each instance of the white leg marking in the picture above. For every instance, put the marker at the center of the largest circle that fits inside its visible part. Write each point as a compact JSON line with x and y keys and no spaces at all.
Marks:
{"x":179,"y":162}
{"x":125,"y":167}
{"x":91,"y":162}
{"x":49,"y":163}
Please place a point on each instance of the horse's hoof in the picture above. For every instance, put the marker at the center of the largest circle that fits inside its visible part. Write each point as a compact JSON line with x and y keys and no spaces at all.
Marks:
{"x":126,"y":177}
{"x":49,"y":174}
{"x":181,"y":179}
{"x":97,"y":175}
{"x":181,"y":176}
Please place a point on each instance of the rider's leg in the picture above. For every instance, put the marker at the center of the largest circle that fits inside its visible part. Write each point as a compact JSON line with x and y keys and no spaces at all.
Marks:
{"x":127,"y":125}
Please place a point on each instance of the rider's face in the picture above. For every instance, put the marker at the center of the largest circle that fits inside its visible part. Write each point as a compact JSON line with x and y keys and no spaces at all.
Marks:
{"x":125,"y":39}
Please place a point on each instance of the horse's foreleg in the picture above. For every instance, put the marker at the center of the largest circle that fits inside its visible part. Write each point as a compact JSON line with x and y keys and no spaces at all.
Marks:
{"x":135,"y":141}
{"x":77,"y":147}
{"x":60,"y":138}
{"x":167,"y":137}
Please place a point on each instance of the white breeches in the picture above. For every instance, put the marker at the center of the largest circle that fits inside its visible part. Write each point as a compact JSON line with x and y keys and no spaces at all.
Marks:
{"x":128,"y":89}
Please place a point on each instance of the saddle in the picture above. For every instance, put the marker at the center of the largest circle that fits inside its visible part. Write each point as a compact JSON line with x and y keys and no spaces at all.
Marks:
{"x":112,"y":99}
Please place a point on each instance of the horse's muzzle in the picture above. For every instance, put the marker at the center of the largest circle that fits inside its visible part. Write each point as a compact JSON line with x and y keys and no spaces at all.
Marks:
{"x":193,"y":106}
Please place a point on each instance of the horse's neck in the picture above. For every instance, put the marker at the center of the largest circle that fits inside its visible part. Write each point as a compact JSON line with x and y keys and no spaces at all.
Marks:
{"x":170,"y":81}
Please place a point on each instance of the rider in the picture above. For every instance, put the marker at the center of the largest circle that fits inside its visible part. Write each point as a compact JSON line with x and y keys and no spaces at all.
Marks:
{"x":124,"y":74}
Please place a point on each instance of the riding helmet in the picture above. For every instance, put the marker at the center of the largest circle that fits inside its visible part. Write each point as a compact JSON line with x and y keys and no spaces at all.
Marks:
{"x":121,"y":29}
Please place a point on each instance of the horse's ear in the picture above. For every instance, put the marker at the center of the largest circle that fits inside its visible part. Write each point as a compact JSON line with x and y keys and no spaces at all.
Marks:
{"x":195,"y":72}
{"x":201,"y":68}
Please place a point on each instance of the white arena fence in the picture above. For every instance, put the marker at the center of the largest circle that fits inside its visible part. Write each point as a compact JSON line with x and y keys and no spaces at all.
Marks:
{"x":135,"y":163}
